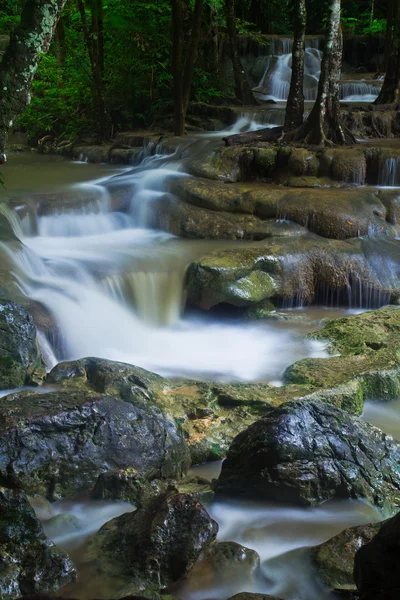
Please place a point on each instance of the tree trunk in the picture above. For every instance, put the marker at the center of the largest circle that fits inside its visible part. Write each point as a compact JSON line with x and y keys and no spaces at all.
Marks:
{"x":29,"y":40}
{"x":103,"y":117}
{"x":242,"y":89}
{"x":323,"y":125}
{"x":98,"y":33}
{"x":192,"y":53}
{"x":295,"y":103}
{"x":178,"y":65}
{"x":389,"y":30}
{"x":391,"y":82}
{"x":59,"y":39}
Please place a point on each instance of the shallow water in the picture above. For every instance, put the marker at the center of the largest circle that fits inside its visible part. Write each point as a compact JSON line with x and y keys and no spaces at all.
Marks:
{"x":115,"y":289}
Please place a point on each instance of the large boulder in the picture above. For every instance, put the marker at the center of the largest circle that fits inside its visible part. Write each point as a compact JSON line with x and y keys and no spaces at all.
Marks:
{"x":376,"y":569}
{"x":29,"y":562}
{"x":58,"y":443}
{"x":154,"y":546}
{"x":19,"y":349}
{"x":333,"y":560}
{"x":306,"y":453}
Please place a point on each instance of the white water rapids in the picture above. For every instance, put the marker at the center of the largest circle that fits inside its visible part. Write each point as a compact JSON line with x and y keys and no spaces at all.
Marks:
{"x":115,"y":288}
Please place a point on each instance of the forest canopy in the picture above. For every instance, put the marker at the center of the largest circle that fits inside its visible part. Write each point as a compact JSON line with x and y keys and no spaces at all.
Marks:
{"x":109,"y":64}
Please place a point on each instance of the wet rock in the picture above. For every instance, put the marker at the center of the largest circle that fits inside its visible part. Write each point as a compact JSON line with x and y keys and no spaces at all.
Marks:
{"x":29,"y":562}
{"x":41,"y":506}
{"x":154,"y":547}
{"x":61,"y":524}
{"x":222,"y":566}
{"x":58,"y":443}
{"x":230,"y":276}
{"x":197,"y":487}
{"x":184,"y":220}
{"x":347,"y":165}
{"x":376,"y":571}
{"x":309,"y":452}
{"x":334,"y":560}
{"x":303,"y":162}
{"x":127,"y":485}
{"x":19,"y":350}
{"x":260,"y":311}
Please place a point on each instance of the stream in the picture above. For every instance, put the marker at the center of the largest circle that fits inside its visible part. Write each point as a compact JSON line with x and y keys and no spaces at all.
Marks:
{"x":115,"y":288}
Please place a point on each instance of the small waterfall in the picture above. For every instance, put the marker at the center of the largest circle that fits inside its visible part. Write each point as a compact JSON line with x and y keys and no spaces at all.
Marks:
{"x":275,"y":82}
{"x":389,"y":175}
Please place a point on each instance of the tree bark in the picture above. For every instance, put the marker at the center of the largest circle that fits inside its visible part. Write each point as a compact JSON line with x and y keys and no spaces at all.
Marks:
{"x":323,"y":125}
{"x":29,"y":40}
{"x":178,"y":65}
{"x":192,"y":52}
{"x":242,"y":89}
{"x":388,"y":93}
{"x":295,"y":103}
{"x":98,"y":33}
{"x":59,"y":38}
{"x":102,"y":114}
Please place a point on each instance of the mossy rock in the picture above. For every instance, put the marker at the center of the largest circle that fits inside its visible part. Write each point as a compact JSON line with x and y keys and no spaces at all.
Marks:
{"x":303,"y":162}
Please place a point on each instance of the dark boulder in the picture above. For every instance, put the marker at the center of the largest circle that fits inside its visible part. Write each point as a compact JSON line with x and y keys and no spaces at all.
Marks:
{"x":29,"y":562}
{"x":308,"y":452}
{"x":19,"y":350}
{"x":58,"y":443}
{"x":376,"y":569}
{"x":153,"y":546}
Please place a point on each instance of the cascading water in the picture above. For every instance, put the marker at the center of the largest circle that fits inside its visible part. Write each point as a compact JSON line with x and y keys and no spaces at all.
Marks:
{"x":115,"y":287}
{"x":389,"y":173}
{"x":275,"y":82}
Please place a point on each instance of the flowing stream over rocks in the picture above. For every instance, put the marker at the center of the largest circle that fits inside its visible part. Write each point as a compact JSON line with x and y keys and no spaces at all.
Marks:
{"x":114,"y":286}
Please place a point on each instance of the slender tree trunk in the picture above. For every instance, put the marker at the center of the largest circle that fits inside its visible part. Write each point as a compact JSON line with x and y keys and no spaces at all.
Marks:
{"x":391,"y":82}
{"x":192,"y":53}
{"x":295,"y":104}
{"x":389,"y":31}
{"x":59,"y":39}
{"x":28,"y":42}
{"x":178,"y":65}
{"x":242,"y":89}
{"x":323,"y":125}
{"x":98,"y":33}
{"x":103,"y":117}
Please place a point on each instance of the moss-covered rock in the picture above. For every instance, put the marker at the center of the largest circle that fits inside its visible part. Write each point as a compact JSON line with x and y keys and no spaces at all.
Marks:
{"x":19,"y":350}
{"x":334,"y":560}
{"x":303,"y":162}
{"x":29,"y":562}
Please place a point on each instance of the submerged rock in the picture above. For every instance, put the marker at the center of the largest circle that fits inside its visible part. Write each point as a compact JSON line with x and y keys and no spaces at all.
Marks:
{"x":376,"y":569}
{"x":58,"y":443}
{"x":153,"y":547}
{"x":334,"y":560}
{"x":309,"y":452}
{"x":19,"y":349}
{"x":29,"y":562}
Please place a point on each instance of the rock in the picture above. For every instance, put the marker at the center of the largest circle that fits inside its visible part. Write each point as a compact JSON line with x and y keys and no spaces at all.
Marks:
{"x":334,"y":559}
{"x":61,"y":524}
{"x":154,"y":547}
{"x":303,"y":162}
{"x":41,"y":506}
{"x":184,"y":220}
{"x":58,"y":443}
{"x":346,"y":165}
{"x":229,"y":277}
{"x":306,"y":453}
{"x":29,"y":562}
{"x":222,"y":566}
{"x":19,"y":350}
{"x":197,"y":487}
{"x":127,"y":485}
{"x":376,"y":571}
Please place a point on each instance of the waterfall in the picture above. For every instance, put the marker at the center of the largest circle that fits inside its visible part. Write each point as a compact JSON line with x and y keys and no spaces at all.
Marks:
{"x":389,"y":173}
{"x":275,"y":82}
